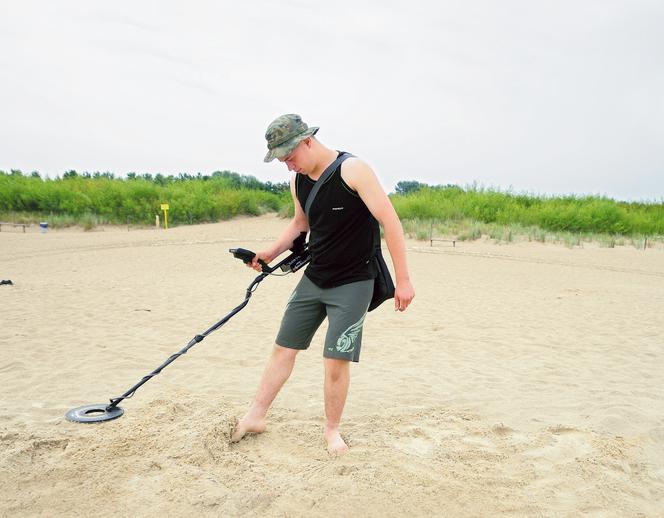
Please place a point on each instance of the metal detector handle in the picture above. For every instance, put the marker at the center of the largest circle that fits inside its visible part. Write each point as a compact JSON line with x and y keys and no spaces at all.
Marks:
{"x":247,"y":256}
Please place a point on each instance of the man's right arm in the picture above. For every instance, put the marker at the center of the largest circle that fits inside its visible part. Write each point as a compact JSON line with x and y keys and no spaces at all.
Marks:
{"x":298,"y":224}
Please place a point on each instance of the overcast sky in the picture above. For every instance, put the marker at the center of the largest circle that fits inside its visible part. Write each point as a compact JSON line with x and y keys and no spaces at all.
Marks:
{"x":540,"y":96}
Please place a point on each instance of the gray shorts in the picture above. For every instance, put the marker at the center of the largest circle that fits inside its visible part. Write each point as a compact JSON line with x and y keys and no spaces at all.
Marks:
{"x":345,"y":307}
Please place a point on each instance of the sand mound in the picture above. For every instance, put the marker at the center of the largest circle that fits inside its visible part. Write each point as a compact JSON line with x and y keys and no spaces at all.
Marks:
{"x":118,"y":462}
{"x":175,"y":456}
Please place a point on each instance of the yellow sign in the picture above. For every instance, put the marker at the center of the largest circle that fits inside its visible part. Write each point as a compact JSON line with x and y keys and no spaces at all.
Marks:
{"x":164,"y":207}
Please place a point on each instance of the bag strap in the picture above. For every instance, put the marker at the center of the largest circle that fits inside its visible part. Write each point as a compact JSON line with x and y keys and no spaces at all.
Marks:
{"x":319,"y":183}
{"x":376,"y":239}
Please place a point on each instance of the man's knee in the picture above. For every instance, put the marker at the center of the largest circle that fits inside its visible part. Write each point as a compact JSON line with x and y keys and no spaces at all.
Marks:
{"x":285,"y":353}
{"x":335,"y":368}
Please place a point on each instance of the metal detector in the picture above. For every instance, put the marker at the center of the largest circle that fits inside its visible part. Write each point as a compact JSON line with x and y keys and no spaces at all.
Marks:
{"x":298,"y":258}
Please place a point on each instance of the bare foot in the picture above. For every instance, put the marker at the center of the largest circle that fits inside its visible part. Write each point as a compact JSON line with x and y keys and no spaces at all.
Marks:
{"x":335,"y":444}
{"x":248,"y":424}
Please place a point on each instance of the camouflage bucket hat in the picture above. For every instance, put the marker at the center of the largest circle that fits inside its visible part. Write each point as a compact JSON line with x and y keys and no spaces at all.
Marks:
{"x":284,"y":133}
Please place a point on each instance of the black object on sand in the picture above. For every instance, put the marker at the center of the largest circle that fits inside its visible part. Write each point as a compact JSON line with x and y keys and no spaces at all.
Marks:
{"x":104,"y":412}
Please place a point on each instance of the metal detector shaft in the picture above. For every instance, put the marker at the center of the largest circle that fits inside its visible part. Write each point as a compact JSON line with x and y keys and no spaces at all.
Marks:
{"x":198,"y":338}
{"x":297,"y":259}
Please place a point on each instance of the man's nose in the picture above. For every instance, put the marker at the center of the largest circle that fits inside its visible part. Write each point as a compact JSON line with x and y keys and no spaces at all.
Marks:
{"x":290,"y":165}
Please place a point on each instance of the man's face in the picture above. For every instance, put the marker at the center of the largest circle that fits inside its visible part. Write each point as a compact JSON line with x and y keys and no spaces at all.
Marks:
{"x":298,"y":160}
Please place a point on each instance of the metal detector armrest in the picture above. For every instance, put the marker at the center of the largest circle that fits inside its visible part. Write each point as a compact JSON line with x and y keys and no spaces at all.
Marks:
{"x":298,"y":258}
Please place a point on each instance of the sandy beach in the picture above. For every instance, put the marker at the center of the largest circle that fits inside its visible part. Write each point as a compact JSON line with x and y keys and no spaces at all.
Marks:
{"x":524,"y":380}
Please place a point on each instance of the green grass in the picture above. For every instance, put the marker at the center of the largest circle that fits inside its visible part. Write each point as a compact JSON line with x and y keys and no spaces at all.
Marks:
{"x":465,"y":213}
{"x":470,"y":230}
{"x":562,"y":213}
{"x":89,"y":201}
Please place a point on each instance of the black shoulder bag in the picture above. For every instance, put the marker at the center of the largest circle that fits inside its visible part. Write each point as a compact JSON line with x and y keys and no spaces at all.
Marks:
{"x":383,"y":285}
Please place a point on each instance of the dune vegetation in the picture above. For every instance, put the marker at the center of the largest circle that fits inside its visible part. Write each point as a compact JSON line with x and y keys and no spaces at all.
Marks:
{"x":426,"y":211}
{"x":473,"y":212}
{"x":92,"y":199}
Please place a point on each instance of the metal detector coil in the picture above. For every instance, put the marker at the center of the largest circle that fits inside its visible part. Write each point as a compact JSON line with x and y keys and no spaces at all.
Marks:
{"x":94,"y":413}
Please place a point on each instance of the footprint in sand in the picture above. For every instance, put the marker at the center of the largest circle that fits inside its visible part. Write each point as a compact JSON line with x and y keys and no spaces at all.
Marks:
{"x":42,"y":450}
{"x":415,"y":440}
{"x":557,"y":447}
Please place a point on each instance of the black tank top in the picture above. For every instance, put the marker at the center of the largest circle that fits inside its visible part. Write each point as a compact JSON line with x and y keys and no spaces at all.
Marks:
{"x":343,"y":232}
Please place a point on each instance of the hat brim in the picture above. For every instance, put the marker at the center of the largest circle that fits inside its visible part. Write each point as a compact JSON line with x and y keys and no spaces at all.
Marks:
{"x":287,"y":147}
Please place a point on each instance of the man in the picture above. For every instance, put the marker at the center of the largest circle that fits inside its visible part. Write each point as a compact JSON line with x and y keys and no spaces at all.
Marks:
{"x":338,"y":283}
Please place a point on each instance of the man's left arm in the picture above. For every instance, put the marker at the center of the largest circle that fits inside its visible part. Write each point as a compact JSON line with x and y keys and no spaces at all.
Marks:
{"x":360,"y":177}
